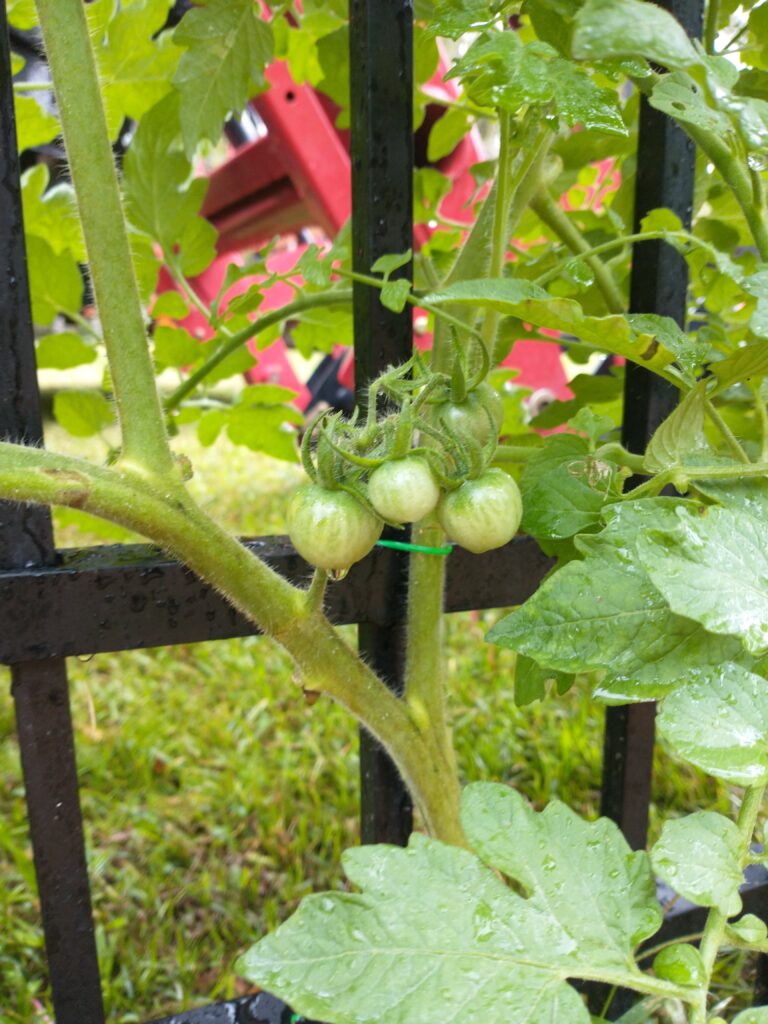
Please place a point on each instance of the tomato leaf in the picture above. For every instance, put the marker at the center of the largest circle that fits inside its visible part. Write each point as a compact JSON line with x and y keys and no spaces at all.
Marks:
{"x":631,"y":28}
{"x":63,"y":351}
{"x":82,"y":413}
{"x":563,"y":494}
{"x":499,"y":70}
{"x":34,"y":125}
{"x":748,"y":931}
{"x":266,"y":429}
{"x":534,"y":305}
{"x":321,"y":328}
{"x":55,"y":281}
{"x":689,"y":355}
{"x":531,"y":680}
{"x":22,"y":14}
{"x":683,"y":100}
{"x":160,"y":200}
{"x":394,"y":294}
{"x":173,"y":346}
{"x":170,"y":304}
{"x":749,"y":496}
{"x":699,"y":855}
{"x":429,"y":189}
{"x":681,"y":433}
{"x":757,"y":1015}
{"x":433,"y":930}
{"x":718,"y":720}
{"x":387,"y":264}
{"x":713,"y":569}
{"x":742,"y":365}
{"x":136,"y":61}
{"x":228,"y":47}
{"x":452,"y":18}
{"x":604,"y":896}
{"x":51,"y":213}
{"x":446,"y":133}
{"x":603,"y":612}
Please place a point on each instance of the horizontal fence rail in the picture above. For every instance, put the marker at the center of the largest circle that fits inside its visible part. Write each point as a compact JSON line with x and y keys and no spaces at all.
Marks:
{"x":129,"y":596}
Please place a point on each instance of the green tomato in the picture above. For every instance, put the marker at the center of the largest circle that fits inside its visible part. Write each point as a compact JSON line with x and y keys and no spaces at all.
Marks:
{"x":680,"y":963}
{"x":483,"y":513}
{"x":403,"y":490}
{"x":470,"y":416}
{"x":330,"y":529}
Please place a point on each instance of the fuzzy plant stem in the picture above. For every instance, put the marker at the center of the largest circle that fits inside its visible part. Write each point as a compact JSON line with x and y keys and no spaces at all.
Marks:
{"x":714,"y":929}
{"x":425,"y":656}
{"x":235,"y":341}
{"x":326,"y":664}
{"x":711,"y":22}
{"x":738,"y":179}
{"x":556,"y":219}
{"x":73,"y":70}
{"x":518,"y":180}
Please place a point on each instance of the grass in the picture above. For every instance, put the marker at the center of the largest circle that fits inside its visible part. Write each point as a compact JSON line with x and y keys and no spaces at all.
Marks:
{"x":214,"y":797}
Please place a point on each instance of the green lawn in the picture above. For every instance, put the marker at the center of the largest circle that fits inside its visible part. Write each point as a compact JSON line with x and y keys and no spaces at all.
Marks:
{"x":215,"y":797}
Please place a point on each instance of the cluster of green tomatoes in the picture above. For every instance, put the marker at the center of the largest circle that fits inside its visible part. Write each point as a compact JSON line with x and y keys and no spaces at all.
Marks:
{"x":430,"y":453}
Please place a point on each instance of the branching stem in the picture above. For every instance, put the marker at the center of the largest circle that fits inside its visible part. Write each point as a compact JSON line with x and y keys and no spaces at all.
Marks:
{"x":412,"y":300}
{"x":727,"y":434}
{"x":235,"y":341}
{"x":556,"y":219}
{"x":714,"y":928}
{"x":327,"y":664}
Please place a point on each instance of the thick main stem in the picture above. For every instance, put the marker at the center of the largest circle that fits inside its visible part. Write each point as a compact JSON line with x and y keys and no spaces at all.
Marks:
{"x":424,"y":666}
{"x":73,"y":70}
{"x":714,"y":929}
{"x":281,"y":610}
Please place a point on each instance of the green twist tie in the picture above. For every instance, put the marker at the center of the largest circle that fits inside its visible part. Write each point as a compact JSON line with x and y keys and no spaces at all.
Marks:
{"x":296,"y":1018}
{"x":401,"y":545}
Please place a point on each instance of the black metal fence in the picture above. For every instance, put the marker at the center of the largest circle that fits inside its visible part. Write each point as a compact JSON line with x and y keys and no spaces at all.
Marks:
{"x":54,"y":604}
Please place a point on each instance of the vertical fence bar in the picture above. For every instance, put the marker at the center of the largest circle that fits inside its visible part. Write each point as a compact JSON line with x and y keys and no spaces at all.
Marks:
{"x":40,"y":689}
{"x":665,"y":177}
{"x":381,"y":88}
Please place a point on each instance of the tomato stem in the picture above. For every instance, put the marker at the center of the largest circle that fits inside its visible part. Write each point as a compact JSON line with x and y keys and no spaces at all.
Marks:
{"x":556,"y":219}
{"x":518,"y":179}
{"x":240,"y":338}
{"x":84,"y":125}
{"x":425,"y":666}
{"x":714,"y":928}
{"x":728,"y":436}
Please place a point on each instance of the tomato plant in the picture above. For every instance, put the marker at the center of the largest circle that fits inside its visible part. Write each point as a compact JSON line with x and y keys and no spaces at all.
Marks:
{"x":656,"y":595}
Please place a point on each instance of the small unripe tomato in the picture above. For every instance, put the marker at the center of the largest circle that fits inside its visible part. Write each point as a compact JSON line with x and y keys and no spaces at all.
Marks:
{"x":680,"y":963}
{"x":484,"y":513}
{"x":403,"y":490}
{"x":330,"y":529}
{"x":470,"y":416}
